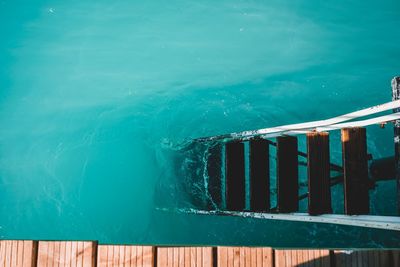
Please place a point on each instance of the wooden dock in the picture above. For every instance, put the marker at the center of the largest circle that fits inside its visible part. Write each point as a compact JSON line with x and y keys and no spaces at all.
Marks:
{"x":29,"y":253}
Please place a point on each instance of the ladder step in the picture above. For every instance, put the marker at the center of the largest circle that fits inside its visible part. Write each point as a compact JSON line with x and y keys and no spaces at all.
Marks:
{"x":287,"y":174}
{"x":318,"y":170}
{"x":235,"y":176}
{"x":355,"y":167}
{"x":214,"y":163}
{"x":259,"y":175}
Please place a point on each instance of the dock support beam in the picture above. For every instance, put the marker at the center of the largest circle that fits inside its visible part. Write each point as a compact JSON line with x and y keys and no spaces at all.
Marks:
{"x":318,"y":171}
{"x":259,"y":175}
{"x":235,"y":176}
{"x":287,"y":174}
{"x":396,"y":96}
{"x":214,"y":164}
{"x":355,"y":169}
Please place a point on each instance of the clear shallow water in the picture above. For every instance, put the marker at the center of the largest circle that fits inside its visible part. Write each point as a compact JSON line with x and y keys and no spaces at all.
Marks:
{"x":96,"y":96}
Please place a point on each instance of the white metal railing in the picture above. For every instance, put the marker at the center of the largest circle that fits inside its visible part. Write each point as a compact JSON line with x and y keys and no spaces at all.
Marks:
{"x":335,"y":123}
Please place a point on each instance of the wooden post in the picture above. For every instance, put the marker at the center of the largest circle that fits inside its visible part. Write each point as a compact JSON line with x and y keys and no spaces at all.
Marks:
{"x":355,"y":169}
{"x":287,"y":174}
{"x":318,"y":170}
{"x":396,"y":96}
{"x":259,"y":175}
{"x":234,"y":176}
{"x":214,"y":175}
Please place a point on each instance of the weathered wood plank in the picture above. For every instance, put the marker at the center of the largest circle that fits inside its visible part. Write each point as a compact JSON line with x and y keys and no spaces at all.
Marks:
{"x":364,"y":258}
{"x":123,"y":255}
{"x":222,"y":257}
{"x":244,"y":256}
{"x":18,"y":253}
{"x":318,"y":169}
{"x":287,"y":174}
{"x":355,"y":168}
{"x":302,"y":257}
{"x":259,"y":175}
{"x":234,"y":176}
{"x":54,"y":253}
{"x":183,"y":256}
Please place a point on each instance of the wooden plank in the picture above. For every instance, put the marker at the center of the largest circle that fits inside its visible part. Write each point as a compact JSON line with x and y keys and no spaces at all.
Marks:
{"x":235,"y":176}
{"x":175,"y":261}
{"x":303,"y":257}
{"x":287,"y":174}
{"x":366,"y":258}
{"x":193,"y":256}
{"x":14,"y":253}
{"x":74,"y":249}
{"x":253,"y":257}
{"x":199,"y":257}
{"x":42,"y":253}
{"x":184,"y":256}
{"x":147,"y":256}
{"x":18,"y":253}
{"x":267,"y":260}
{"x":395,"y":256}
{"x":54,"y":253}
{"x":259,"y":175}
{"x":236,"y":257}
{"x":116,"y":255}
{"x":318,"y":170}
{"x":187,"y":256}
{"x":222,"y":256}
{"x":355,"y":168}
{"x":214,"y":164}
{"x":67,"y":254}
{"x":244,"y":256}
{"x":8,"y":252}
{"x":247,"y":256}
{"x":124,"y":255}
{"x":19,"y":256}
{"x":102,"y":256}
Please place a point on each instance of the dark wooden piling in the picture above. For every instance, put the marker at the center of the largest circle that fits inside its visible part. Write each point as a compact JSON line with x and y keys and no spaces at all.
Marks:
{"x":396,"y":96}
{"x":318,"y":170}
{"x":214,"y":161}
{"x":259,"y":175}
{"x":287,"y":174}
{"x":235,"y":176}
{"x":355,"y":169}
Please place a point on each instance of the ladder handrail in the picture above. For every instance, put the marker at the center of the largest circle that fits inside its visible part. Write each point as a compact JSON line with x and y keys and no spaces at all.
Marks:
{"x":319,"y":125}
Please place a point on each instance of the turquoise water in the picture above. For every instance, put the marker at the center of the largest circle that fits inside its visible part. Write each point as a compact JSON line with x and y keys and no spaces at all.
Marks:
{"x":97,"y":96}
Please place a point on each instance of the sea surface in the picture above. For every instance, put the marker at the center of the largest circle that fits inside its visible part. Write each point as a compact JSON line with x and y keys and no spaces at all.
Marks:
{"x":98,"y":100}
